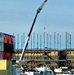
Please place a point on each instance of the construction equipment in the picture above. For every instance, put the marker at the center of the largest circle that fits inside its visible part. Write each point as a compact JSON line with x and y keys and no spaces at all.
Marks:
{"x":28,"y":37}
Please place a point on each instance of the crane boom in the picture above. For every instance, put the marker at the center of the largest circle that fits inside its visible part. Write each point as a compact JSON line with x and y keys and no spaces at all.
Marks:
{"x":26,"y":43}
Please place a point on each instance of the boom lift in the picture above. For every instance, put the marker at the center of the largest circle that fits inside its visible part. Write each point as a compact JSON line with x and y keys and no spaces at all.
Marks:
{"x":28,"y":37}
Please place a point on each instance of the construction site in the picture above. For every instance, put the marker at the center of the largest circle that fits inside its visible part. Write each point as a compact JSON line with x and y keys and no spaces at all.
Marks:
{"x":45,"y":52}
{"x":52,"y":51}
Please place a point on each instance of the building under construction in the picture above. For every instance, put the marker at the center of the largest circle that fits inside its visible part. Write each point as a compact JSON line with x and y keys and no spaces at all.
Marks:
{"x":47,"y":57}
{"x":46,"y":50}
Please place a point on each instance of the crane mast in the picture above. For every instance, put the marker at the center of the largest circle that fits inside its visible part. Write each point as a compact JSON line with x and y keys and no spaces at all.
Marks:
{"x":28,"y":37}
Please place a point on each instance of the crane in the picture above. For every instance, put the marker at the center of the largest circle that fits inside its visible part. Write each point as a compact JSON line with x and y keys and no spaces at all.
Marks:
{"x":29,"y":34}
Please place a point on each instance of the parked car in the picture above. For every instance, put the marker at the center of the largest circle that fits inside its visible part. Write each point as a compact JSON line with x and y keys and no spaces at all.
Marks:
{"x":48,"y":72}
{"x":32,"y":72}
{"x":65,"y":73}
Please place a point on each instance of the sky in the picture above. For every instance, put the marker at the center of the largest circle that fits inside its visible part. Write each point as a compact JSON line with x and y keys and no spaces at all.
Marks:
{"x":16,"y":16}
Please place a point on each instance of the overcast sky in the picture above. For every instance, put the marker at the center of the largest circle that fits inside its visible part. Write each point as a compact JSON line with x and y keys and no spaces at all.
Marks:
{"x":16,"y":16}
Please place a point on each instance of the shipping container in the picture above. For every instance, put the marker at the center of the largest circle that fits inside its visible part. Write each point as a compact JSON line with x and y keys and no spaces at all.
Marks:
{"x":7,"y":42}
{"x":6,"y":56}
{"x":5,"y":67}
{"x":1,"y":46}
{"x":1,"y":37}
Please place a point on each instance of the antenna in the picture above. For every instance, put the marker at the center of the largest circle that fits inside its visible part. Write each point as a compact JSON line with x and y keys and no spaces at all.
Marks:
{"x":28,"y":37}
